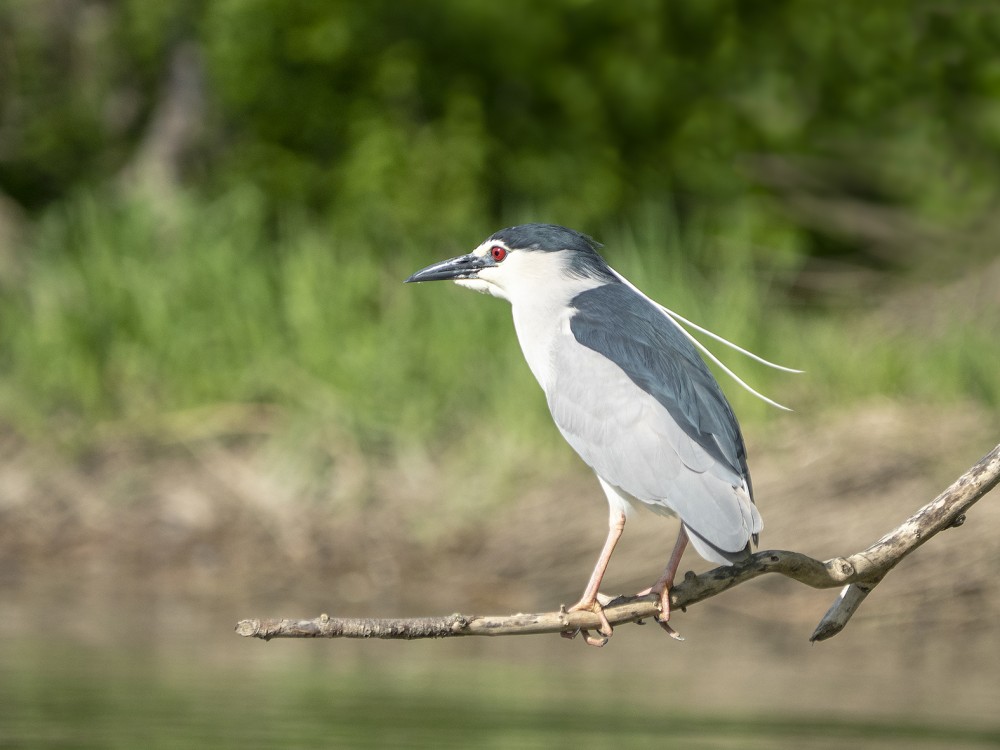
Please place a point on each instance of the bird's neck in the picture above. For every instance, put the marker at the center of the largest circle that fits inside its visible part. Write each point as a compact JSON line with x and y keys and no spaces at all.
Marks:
{"x":540,"y":317}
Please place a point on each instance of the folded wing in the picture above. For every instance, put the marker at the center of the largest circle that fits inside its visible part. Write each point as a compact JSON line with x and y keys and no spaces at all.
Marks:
{"x":639,"y":405}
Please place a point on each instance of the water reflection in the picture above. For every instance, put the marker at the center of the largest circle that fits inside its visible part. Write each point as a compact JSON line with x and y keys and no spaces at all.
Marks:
{"x":172,"y":674}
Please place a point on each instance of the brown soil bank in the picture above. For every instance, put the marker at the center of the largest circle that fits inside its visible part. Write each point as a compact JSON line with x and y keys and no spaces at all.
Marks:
{"x":231,"y":519}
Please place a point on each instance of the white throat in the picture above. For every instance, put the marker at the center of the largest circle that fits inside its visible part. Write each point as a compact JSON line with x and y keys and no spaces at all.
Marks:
{"x":539,"y":291}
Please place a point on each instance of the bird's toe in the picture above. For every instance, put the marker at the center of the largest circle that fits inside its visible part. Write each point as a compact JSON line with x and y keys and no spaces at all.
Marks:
{"x":605,"y":630}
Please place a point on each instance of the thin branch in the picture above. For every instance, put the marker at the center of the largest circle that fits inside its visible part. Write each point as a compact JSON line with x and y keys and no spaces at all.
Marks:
{"x":858,"y":574}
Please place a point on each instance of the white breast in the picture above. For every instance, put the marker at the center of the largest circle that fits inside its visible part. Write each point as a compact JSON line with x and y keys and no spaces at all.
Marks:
{"x":540,"y":318}
{"x":537,"y":327}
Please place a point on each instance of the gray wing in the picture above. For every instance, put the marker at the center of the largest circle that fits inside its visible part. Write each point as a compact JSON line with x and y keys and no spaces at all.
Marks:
{"x":635,"y":400}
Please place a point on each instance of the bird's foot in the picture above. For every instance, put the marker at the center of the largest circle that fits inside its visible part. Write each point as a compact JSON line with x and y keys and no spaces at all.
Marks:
{"x":605,"y":630}
{"x":587,"y":637}
{"x":663,"y":591}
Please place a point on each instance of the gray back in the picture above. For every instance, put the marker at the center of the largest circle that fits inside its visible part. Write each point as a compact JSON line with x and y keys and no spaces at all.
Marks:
{"x":618,"y":323}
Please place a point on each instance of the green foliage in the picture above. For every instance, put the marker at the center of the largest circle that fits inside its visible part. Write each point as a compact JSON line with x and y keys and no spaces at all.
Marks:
{"x":124,"y":313}
{"x":422,"y":119}
{"x":723,"y":150}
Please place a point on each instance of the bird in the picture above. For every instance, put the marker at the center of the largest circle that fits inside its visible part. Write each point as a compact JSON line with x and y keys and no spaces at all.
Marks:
{"x":629,"y":392}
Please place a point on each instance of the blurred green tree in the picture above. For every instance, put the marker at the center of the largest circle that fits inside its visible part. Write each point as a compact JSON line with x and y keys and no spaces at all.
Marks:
{"x":422,"y":119}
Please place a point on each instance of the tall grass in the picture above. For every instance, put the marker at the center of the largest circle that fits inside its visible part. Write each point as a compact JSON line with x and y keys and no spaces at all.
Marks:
{"x":122,"y":312}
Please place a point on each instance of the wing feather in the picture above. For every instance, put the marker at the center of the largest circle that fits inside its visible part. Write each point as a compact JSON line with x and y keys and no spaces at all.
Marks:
{"x":636,"y":401}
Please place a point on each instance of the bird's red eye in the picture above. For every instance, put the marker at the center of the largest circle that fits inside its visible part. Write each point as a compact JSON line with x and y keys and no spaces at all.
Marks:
{"x":498,"y":253}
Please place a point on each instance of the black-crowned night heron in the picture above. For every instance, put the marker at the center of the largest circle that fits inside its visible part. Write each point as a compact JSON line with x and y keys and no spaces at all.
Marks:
{"x":626,"y":388}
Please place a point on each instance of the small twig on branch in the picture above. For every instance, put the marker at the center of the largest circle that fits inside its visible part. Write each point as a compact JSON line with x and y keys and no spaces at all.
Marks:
{"x":858,"y":574}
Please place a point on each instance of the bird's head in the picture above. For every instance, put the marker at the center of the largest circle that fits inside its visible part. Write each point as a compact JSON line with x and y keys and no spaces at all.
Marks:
{"x":518,"y":259}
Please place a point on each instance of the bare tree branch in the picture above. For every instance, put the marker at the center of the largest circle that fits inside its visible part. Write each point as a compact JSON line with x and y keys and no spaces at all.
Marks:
{"x":858,"y":574}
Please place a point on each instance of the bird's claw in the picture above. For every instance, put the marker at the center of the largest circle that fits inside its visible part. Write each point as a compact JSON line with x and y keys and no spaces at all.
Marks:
{"x":592,"y":641}
{"x":670,"y":631}
{"x":587,"y":637}
{"x":664,"y":616}
{"x":605,"y":630}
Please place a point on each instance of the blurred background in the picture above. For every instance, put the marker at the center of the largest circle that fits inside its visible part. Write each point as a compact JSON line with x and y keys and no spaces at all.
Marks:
{"x":218,"y":400}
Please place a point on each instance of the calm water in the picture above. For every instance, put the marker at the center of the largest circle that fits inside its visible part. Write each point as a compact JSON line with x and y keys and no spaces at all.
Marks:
{"x":69,"y":695}
{"x":173,"y":675}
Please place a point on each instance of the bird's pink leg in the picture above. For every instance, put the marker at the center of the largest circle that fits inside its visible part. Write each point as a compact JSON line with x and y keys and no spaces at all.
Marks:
{"x":589,"y":601}
{"x":665,"y":581}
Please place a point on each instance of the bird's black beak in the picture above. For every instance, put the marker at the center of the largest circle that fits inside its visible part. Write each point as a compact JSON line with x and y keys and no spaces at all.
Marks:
{"x":462,"y":267}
